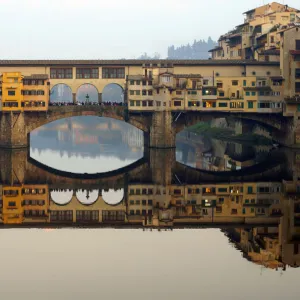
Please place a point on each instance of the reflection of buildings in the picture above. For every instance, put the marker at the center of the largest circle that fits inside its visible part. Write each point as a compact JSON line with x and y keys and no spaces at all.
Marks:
{"x":265,"y":221}
{"x":258,"y":208}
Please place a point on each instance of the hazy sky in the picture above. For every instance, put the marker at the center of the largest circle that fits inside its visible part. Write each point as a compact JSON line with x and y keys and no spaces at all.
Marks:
{"x":100,"y":29}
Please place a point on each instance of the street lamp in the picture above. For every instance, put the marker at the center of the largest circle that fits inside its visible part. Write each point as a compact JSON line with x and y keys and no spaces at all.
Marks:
{"x":87,"y":97}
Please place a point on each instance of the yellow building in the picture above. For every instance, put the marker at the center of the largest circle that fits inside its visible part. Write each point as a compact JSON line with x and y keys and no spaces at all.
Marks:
{"x":164,"y":90}
{"x":36,"y":89}
{"x":11,"y":86}
{"x":12,"y":205}
{"x":256,"y":38}
{"x":24,"y":93}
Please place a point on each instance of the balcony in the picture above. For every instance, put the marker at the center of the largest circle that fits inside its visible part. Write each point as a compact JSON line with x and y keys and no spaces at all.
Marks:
{"x":293,"y":100}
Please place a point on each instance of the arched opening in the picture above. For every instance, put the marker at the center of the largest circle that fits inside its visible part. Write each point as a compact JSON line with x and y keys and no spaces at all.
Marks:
{"x":61,"y":197}
{"x":113,"y":93}
{"x":112,"y":197}
{"x":61,"y":93}
{"x":86,"y":94}
{"x":87,"y":197}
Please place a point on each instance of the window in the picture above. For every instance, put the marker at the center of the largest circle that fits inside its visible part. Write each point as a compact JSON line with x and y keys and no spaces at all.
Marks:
{"x":144,"y":92}
{"x":11,"y":93}
{"x":222,"y":190}
{"x":178,"y":92}
{"x":150,"y":92}
{"x":250,"y":189}
{"x":166,"y":79}
{"x":219,"y":85}
{"x":297,"y":87}
{"x":292,"y":18}
{"x":131,"y":103}
{"x":221,"y":94}
{"x":272,"y":39}
{"x":205,"y":81}
{"x":61,"y":73}
{"x":138,"y":92}
{"x":235,"y":82}
{"x":138,"y":82}
{"x":244,"y":82}
{"x":177,"y":103}
{"x":253,"y":93}
{"x":250,"y":104}
{"x":236,"y":105}
{"x":115,"y":73}
{"x":86,"y":73}
{"x":223,"y":104}
{"x":131,"y":92}
{"x":297,"y":44}
{"x":131,"y":82}
{"x":297,"y":73}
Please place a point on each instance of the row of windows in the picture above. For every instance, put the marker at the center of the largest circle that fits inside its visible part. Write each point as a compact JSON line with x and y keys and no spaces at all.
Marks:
{"x":87,"y":215}
{"x":138,"y":82}
{"x":27,"y":92}
{"x":143,"y":202}
{"x":33,"y":202}
{"x":34,"y":213}
{"x":61,"y":215}
{"x":33,"y":92}
{"x":139,"y":212}
{"x":113,"y":215}
{"x":86,"y":73}
{"x":141,"y":191}
{"x":33,"y":103}
{"x":33,"y":82}
{"x":144,"y":92}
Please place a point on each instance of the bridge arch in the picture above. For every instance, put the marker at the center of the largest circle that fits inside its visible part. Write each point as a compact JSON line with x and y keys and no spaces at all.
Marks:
{"x":113,"y":92}
{"x":61,"y":197}
{"x":87,"y":197}
{"x":61,"y":112}
{"x":61,"y":92}
{"x":86,"y":93}
{"x":113,"y":197}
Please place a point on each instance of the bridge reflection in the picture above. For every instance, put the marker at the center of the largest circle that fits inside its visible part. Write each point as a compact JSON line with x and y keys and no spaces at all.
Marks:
{"x":258,"y":208}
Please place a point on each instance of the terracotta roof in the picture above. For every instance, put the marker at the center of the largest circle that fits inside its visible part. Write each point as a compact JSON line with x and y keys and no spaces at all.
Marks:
{"x":215,"y":49}
{"x":130,"y":62}
{"x":37,"y":76}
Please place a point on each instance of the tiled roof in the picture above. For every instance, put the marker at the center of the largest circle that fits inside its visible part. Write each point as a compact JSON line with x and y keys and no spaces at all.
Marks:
{"x":215,"y":49}
{"x":130,"y":62}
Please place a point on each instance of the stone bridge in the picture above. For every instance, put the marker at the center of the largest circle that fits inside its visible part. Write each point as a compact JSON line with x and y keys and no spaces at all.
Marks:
{"x":159,"y":127}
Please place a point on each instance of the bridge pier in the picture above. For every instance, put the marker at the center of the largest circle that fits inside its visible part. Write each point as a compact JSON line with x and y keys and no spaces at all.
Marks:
{"x":162,"y":132}
{"x":13,"y":130}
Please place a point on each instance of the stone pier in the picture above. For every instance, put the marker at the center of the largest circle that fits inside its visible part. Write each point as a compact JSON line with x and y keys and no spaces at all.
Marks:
{"x":13,"y":130}
{"x":162,"y":132}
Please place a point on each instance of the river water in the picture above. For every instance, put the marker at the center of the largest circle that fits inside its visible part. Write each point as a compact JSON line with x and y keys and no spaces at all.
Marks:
{"x":88,"y":212}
